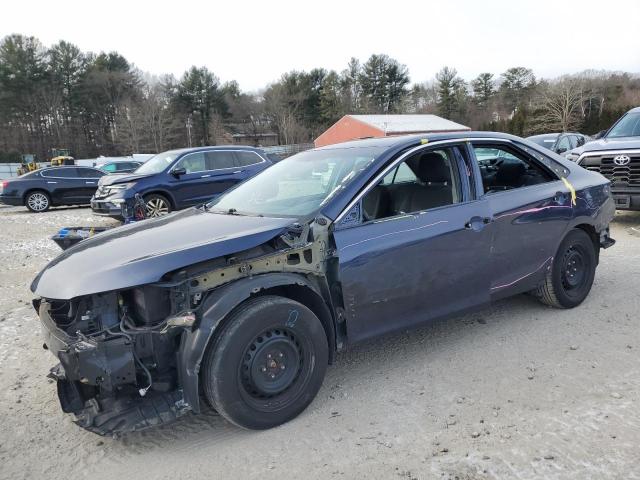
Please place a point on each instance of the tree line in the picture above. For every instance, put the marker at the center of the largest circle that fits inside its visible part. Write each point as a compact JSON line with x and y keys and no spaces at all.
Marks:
{"x":101,"y":104}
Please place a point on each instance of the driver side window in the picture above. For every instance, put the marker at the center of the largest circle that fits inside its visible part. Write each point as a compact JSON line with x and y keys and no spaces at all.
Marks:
{"x":193,"y":162}
{"x":426,"y":180}
{"x":506,"y":168}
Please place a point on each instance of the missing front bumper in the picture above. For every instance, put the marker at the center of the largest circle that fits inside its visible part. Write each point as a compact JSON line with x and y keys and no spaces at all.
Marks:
{"x":117,"y":415}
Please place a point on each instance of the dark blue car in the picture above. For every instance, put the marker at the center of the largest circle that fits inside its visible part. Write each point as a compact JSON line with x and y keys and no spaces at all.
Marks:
{"x":245,"y":300}
{"x":178,"y":179}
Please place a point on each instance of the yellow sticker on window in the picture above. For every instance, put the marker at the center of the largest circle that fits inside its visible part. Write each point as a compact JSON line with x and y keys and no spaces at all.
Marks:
{"x":424,"y":141}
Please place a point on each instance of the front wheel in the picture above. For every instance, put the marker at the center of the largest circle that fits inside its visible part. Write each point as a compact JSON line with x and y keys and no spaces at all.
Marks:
{"x":571,"y":276}
{"x":157,"y":205}
{"x":267,"y":364}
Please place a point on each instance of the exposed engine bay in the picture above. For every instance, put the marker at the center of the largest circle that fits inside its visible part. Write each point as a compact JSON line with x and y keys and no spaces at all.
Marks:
{"x":121,"y":364}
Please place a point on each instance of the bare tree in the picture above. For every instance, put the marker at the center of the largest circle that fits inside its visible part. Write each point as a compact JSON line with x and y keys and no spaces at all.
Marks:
{"x":560,"y":105}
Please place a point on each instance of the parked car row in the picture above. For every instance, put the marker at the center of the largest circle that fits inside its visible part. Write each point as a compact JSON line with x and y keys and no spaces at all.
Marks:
{"x":177,"y":179}
{"x":168,"y":181}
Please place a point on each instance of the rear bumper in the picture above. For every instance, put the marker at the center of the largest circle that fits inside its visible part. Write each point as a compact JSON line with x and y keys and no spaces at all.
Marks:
{"x":11,"y":200}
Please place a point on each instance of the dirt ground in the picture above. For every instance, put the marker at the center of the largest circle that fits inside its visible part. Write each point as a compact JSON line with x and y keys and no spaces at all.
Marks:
{"x":517,"y":390}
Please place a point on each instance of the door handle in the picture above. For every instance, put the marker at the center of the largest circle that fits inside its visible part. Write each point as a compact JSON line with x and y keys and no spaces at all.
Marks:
{"x":52,"y":182}
{"x":90,"y":183}
{"x":477,"y":223}
{"x":238,"y":171}
{"x":205,"y":176}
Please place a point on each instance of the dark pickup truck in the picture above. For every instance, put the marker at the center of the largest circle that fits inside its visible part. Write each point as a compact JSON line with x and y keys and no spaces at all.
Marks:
{"x":616,"y":156}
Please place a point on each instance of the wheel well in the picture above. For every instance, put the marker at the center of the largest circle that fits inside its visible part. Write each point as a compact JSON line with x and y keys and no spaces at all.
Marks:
{"x":164,"y":194}
{"x":593,"y":235}
{"x":26,"y":194}
{"x":313,"y":302}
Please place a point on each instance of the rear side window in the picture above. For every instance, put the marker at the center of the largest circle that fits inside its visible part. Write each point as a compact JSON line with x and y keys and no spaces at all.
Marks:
{"x":109,"y":167}
{"x":247,"y":158}
{"x":89,"y":173}
{"x":193,"y":162}
{"x":506,"y":168}
{"x":221,"y":159}
{"x":61,"y":172}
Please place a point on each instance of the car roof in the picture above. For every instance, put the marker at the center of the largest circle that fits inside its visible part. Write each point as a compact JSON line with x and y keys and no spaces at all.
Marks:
{"x":107,"y":162}
{"x":544,"y":135}
{"x":634,"y":110}
{"x":181,"y":151}
{"x":398,"y":141}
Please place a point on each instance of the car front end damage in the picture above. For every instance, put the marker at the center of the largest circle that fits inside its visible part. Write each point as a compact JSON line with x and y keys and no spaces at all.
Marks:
{"x":129,"y":358}
{"x":117,"y":354}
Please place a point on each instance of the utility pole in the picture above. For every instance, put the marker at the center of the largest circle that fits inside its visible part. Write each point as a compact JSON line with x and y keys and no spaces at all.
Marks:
{"x":189,"y":130}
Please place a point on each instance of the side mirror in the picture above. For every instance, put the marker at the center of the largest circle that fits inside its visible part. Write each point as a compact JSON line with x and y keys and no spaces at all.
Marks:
{"x":561,"y":149}
{"x":178,"y":172}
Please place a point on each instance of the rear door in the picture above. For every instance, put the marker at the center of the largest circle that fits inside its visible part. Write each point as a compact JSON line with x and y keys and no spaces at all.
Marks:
{"x":65,"y":185}
{"x":530,"y":207}
{"x":91,"y":176}
{"x":414,"y":246}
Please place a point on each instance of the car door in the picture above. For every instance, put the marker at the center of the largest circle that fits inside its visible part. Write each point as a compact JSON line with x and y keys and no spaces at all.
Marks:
{"x":530,"y":208}
{"x":91,"y":176}
{"x":64,"y":184}
{"x":409,"y":264}
{"x":563,"y":144}
{"x":225,"y":172}
{"x":193,"y":186}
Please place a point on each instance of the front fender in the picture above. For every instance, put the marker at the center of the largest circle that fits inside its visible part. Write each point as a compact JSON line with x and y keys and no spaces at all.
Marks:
{"x":217,"y":305}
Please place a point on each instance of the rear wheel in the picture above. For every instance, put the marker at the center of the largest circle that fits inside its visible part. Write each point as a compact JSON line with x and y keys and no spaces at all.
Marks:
{"x":267,"y":364}
{"x":157,"y":205}
{"x":571,"y":277}
{"x":38,"y":201}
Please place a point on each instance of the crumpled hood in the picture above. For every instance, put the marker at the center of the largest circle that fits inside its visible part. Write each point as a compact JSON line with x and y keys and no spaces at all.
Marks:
{"x":143,"y":252}
{"x":122,"y":178}
{"x":604,"y":144}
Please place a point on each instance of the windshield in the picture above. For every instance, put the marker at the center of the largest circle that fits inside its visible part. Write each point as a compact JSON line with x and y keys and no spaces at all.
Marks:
{"x":158,"y":163}
{"x":628,"y":126}
{"x":298,"y":185}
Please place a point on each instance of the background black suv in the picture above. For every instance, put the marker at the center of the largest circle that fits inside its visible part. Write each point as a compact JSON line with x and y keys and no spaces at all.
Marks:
{"x":50,"y":187}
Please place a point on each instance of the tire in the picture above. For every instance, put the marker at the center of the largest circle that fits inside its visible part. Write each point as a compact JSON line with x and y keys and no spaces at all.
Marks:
{"x":267,"y":364}
{"x":571,"y":277}
{"x":157,"y":205}
{"x":37,"y":201}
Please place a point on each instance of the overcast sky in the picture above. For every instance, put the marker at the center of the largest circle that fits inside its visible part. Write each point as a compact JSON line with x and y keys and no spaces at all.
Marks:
{"x":254,"y":42}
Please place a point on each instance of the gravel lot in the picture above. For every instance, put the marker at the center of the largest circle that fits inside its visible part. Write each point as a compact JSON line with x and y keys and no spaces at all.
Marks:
{"x":518,"y":390}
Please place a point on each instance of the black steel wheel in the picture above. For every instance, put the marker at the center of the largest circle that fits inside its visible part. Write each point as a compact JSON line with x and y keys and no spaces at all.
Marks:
{"x":571,"y":276}
{"x":267,"y":363}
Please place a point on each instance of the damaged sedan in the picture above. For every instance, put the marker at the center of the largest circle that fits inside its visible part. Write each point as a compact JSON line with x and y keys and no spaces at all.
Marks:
{"x":244,"y":301}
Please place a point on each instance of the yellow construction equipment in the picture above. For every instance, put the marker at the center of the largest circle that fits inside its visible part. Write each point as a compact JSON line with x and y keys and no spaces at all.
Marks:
{"x":61,"y":156}
{"x":28,"y":164}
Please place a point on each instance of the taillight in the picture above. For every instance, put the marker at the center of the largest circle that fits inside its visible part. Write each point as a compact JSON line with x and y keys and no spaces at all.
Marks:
{"x":5,"y":184}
